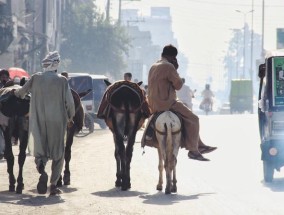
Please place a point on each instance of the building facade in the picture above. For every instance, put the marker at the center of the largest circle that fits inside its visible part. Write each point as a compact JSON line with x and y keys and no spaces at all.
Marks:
{"x":28,"y":30}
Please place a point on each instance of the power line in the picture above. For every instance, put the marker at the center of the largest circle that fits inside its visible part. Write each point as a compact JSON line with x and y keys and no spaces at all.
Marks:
{"x":230,"y":4}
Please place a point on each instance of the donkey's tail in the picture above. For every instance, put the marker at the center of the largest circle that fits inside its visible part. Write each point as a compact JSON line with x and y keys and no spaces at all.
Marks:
{"x":169,"y":143}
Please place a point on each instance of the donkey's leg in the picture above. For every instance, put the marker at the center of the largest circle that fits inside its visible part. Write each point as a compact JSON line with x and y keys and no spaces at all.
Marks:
{"x":117,"y":157}
{"x":9,"y":156}
{"x":176,"y":144}
{"x":174,"y":185}
{"x":23,"y":138}
{"x":160,"y":168}
{"x":69,"y":142}
{"x":129,"y":153}
{"x":122,"y":158}
{"x":168,"y":178}
{"x":118,"y":169}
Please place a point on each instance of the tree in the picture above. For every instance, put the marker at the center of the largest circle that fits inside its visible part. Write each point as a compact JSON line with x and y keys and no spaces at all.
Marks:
{"x":234,"y":59}
{"x":90,"y":43}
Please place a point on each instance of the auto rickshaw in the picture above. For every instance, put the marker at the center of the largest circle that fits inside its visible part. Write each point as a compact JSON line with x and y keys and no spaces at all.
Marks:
{"x":271,"y":114}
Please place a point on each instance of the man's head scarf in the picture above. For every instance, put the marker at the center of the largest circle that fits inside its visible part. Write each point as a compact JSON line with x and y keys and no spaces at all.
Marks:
{"x":51,"y":61}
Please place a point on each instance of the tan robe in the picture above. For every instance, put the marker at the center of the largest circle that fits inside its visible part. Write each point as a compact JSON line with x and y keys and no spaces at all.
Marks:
{"x":163,"y":81}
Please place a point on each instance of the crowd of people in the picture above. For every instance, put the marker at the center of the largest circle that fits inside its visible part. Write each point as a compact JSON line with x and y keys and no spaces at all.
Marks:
{"x":52,"y":109}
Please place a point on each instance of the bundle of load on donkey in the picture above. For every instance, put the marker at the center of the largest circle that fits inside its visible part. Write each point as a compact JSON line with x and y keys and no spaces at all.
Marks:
{"x":124,"y":109}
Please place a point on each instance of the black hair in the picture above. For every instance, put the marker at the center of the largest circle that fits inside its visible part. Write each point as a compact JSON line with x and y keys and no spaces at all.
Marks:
{"x":4,"y":72}
{"x":128,"y":74}
{"x":170,"y":50}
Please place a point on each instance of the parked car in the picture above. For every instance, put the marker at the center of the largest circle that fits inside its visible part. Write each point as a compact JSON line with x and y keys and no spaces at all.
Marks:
{"x":99,"y":88}
{"x":81,"y":83}
{"x":225,"y":108}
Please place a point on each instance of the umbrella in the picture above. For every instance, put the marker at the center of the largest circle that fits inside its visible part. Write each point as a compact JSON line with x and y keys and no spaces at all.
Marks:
{"x":17,"y":72}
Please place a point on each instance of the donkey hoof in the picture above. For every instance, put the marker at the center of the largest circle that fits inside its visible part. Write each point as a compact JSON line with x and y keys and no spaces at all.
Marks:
{"x":124,"y":188}
{"x":20,"y":188}
{"x":66,"y":179}
{"x":167,"y":191}
{"x":128,"y":185}
{"x":11,"y":188}
{"x":159,"y":187}
{"x":67,"y":182}
{"x":59,"y":183}
{"x":118,"y":184}
{"x":174,"y":189}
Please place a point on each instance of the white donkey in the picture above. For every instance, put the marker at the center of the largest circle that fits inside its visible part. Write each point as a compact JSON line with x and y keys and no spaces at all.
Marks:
{"x":168,"y":133}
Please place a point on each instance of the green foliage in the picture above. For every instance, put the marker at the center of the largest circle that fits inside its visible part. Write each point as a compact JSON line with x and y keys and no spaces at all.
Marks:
{"x":90,"y":43}
{"x":234,"y":57}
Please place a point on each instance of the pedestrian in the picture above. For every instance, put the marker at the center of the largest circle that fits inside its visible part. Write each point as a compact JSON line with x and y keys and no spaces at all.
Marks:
{"x":4,"y":77}
{"x":207,"y":97}
{"x":163,"y":81}
{"x":127,"y":76}
{"x":51,"y":109}
{"x":185,"y":94}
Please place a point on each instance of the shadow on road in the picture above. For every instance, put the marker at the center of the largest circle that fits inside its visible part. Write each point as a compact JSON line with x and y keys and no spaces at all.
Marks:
{"x":68,"y":189}
{"x":161,"y":198}
{"x":116,"y":192}
{"x":28,"y":200}
{"x":276,"y":186}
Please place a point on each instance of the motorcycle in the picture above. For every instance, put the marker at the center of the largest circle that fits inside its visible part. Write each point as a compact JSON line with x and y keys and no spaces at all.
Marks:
{"x":206,"y":106}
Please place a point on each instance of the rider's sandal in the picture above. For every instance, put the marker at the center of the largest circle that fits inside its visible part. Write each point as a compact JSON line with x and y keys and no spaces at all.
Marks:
{"x":196,"y":156}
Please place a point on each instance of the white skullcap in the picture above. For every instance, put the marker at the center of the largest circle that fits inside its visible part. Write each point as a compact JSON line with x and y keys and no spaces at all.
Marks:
{"x":51,"y":61}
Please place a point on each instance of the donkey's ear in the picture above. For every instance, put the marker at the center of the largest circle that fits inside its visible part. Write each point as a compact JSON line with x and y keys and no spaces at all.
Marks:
{"x":140,"y":82}
{"x":107,"y":82}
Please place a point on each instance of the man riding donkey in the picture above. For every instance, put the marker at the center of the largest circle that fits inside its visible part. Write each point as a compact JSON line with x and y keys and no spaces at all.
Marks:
{"x":163,"y":81}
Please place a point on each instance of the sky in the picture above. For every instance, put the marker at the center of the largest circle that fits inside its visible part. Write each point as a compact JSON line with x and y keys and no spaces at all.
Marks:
{"x":203,"y":28}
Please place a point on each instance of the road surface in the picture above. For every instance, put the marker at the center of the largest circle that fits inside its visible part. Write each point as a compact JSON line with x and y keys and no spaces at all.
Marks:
{"x":230,"y":184}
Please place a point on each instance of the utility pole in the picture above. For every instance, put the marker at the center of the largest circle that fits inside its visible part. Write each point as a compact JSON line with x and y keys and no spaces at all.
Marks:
{"x":107,"y":10}
{"x":119,"y":12}
{"x":119,"y":9}
{"x":33,"y":42}
{"x":251,"y":42}
{"x":262,"y":42}
{"x":244,"y":50}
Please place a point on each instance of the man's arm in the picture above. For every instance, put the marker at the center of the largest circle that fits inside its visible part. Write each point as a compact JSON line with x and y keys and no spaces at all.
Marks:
{"x":175,"y":78}
{"x":25,"y":89}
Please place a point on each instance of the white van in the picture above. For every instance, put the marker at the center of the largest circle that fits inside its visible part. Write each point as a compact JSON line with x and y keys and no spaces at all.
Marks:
{"x":99,"y":88}
{"x":82,"y":83}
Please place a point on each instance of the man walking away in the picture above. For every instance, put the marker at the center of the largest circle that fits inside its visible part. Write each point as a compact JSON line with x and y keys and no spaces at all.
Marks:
{"x":51,"y":108}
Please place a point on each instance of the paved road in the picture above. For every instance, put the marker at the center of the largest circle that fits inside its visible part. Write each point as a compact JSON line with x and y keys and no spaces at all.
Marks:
{"x":230,"y":184}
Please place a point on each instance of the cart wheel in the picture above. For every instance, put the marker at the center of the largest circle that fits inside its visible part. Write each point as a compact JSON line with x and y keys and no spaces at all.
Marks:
{"x":89,"y":122}
{"x":268,"y":171}
{"x":102,"y":124}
